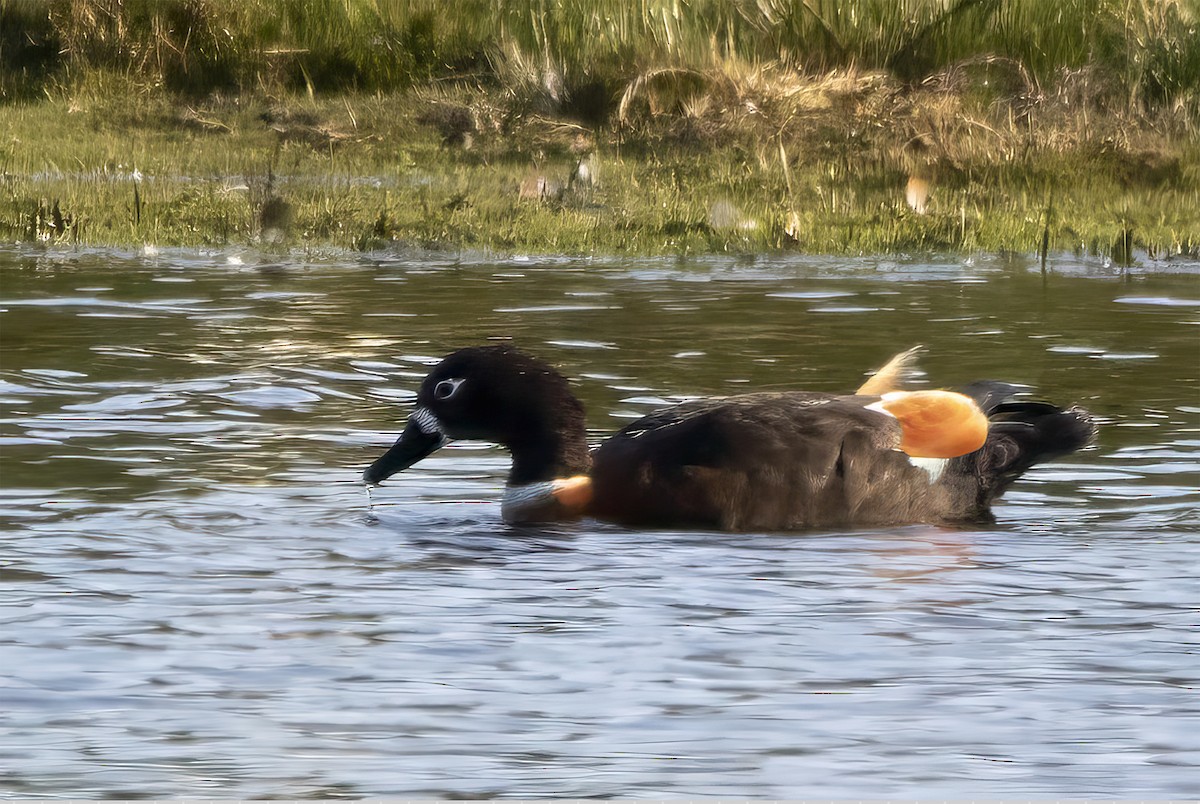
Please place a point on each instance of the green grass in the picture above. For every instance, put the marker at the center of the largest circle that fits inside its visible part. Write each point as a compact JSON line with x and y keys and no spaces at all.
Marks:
{"x":1150,"y":49}
{"x":363,"y":171}
{"x":716,"y":125}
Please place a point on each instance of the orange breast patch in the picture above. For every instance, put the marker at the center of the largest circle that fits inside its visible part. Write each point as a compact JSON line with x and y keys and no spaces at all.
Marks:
{"x":574,"y":494}
{"x":936,"y":424}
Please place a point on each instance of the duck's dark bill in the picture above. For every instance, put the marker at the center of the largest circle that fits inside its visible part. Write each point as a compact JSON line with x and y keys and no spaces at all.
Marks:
{"x":412,"y":445}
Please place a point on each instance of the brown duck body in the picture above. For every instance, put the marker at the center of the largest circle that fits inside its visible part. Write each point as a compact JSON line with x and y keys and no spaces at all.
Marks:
{"x":801,"y":460}
{"x":771,"y":461}
{"x":762,"y":461}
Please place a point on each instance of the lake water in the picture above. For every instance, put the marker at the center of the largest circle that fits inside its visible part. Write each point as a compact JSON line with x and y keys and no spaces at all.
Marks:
{"x":197,"y":602}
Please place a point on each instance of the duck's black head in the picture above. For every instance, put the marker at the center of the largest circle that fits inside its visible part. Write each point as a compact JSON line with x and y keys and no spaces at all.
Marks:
{"x":498,"y":394}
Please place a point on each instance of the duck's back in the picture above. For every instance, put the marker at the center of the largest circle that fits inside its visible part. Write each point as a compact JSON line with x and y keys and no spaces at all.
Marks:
{"x":769,"y":461}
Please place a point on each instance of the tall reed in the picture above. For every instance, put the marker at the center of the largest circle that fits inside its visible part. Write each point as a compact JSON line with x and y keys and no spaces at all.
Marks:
{"x":1151,"y":47}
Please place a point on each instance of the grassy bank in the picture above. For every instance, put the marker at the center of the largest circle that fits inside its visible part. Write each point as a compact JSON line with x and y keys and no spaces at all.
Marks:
{"x":1148,"y":49}
{"x":660,"y":128}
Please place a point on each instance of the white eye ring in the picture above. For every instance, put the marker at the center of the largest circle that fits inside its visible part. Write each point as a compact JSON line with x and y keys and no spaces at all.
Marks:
{"x":447,"y":388}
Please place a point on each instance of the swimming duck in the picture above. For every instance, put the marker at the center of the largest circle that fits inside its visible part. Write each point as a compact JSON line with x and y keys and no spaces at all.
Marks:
{"x":787,"y":460}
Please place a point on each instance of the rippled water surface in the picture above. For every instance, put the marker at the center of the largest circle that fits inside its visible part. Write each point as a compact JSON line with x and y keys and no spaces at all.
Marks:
{"x":197,"y":602}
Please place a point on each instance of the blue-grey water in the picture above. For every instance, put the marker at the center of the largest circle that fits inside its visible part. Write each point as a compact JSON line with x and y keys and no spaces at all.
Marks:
{"x":196,"y":600}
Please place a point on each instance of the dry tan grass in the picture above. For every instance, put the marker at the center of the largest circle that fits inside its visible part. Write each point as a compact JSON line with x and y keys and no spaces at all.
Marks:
{"x":983,"y":110}
{"x":736,"y":92}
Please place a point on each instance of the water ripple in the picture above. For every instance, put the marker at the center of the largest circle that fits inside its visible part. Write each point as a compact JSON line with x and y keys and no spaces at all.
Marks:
{"x":202,"y":599}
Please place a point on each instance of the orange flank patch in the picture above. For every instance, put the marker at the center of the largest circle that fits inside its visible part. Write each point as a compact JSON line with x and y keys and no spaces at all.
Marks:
{"x":937,"y":424}
{"x":574,"y":494}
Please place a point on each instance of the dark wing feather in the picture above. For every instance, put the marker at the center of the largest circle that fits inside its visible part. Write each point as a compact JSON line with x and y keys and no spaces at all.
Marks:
{"x":759,"y":461}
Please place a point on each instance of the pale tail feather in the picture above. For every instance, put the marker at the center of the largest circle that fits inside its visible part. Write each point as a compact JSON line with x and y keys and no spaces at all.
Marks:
{"x":893,"y":374}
